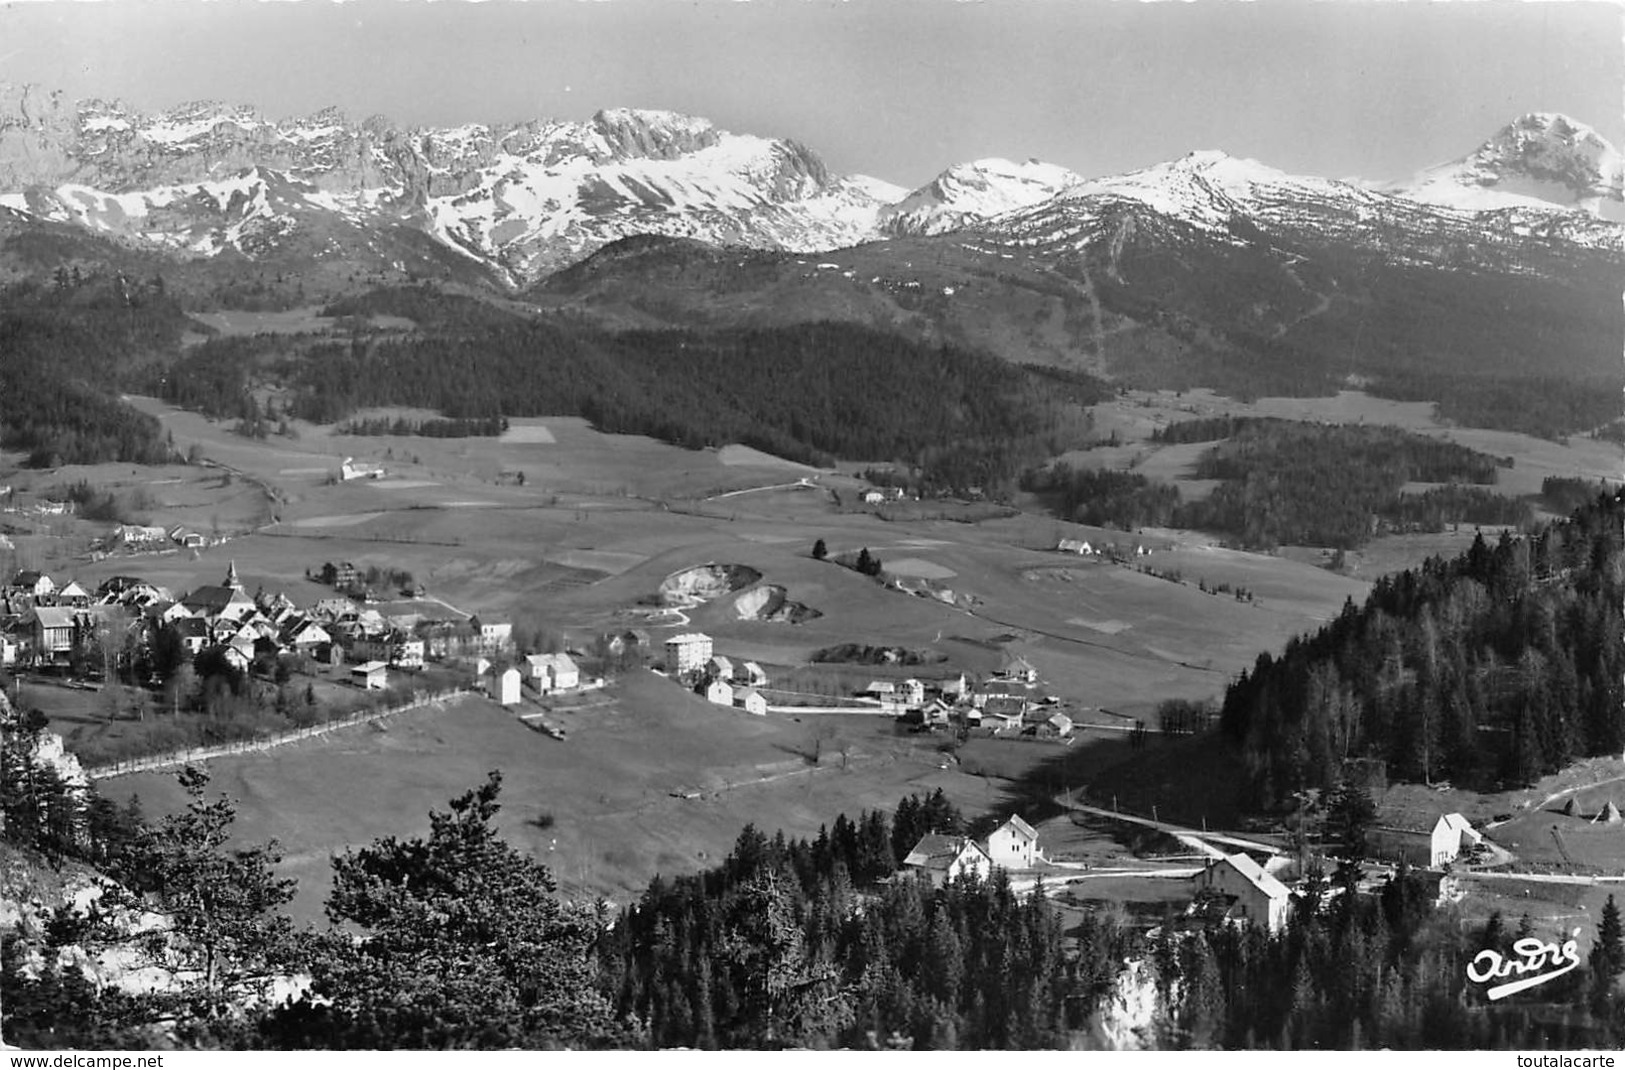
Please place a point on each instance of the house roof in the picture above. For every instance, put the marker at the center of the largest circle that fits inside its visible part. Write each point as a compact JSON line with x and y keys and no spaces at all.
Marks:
{"x":368,"y":668}
{"x":937,"y":851}
{"x":555,"y":661}
{"x":1020,"y":827}
{"x":213,"y":599}
{"x":687,"y":638}
{"x":53,"y":617}
{"x":881,"y":687}
{"x":1255,"y":875}
{"x":745,"y":693}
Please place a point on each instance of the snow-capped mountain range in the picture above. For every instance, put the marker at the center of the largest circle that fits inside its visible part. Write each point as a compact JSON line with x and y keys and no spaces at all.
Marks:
{"x":525,"y":200}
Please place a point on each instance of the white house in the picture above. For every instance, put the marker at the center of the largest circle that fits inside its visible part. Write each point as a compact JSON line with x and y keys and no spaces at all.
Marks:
{"x":751,"y":701}
{"x":508,"y":687}
{"x":752,"y":674}
{"x":942,"y":858}
{"x":1014,"y":844}
{"x":372,"y":675}
{"x":553,"y":672}
{"x":721,"y":692}
{"x":1254,"y":896}
{"x":720,"y":667}
{"x":351,"y":468}
{"x":911,"y":692}
{"x":1075,"y":546}
{"x":687,"y":652}
{"x":496,"y":633}
{"x":1446,"y":840}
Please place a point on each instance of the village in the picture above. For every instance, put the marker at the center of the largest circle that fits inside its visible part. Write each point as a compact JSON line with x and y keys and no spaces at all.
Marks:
{"x":123,"y":627}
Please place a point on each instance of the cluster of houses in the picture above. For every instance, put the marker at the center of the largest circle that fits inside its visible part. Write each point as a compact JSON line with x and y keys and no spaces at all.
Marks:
{"x":43,"y":625}
{"x":547,"y":674}
{"x":1088,"y":549}
{"x":941,"y":859}
{"x":1010,"y":702}
{"x":147,"y":537}
{"x":692,"y":659}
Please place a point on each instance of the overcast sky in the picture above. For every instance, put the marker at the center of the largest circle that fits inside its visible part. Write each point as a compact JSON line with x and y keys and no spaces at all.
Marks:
{"x":894,"y":88}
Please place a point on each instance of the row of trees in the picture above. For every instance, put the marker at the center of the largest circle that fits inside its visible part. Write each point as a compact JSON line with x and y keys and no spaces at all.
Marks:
{"x":1502,"y":664}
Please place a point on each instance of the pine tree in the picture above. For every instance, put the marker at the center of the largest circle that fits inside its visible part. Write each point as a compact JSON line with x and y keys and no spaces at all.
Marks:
{"x":459,"y":940}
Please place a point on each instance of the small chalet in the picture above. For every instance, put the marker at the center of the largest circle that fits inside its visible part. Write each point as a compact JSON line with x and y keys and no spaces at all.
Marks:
{"x":942,"y":858}
{"x":720,"y":667}
{"x":751,"y":674}
{"x":751,"y":701}
{"x":72,"y":595}
{"x":1014,"y":844}
{"x":720,"y":692}
{"x":1451,"y":834}
{"x":371,"y":675}
{"x":1251,"y":895}
{"x":55,"y":632}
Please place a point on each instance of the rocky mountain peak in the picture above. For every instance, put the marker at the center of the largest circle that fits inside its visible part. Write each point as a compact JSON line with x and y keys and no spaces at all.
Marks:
{"x":1541,"y":158}
{"x":652,"y":134}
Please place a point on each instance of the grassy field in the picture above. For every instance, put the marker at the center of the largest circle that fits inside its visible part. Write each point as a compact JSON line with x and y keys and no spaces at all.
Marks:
{"x":602,"y":808}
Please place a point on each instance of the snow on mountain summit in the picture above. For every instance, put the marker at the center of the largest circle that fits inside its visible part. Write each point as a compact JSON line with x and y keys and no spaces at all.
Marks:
{"x":1540,"y":160}
{"x":974,"y":191}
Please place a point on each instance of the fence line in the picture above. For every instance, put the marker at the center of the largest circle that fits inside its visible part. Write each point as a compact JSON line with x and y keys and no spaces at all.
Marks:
{"x":252,"y":746}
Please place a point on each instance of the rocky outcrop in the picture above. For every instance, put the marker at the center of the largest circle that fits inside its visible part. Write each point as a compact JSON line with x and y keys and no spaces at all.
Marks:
{"x":702,"y":583}
{"x":770,"y":603}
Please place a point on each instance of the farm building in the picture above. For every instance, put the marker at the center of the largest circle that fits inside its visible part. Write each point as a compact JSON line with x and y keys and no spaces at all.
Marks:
{"x":508,"y":687}
{"x":720,"y":692}
{"x":351,"y":468}
{"x":553,"y":672}
{"x":751,"y":701}
{"x":751,"y":674}
{"x":720,"y":667}
{"x":1019,"y":668}
{"x":687,"y":652}
{"x":372,"y":675}
{"x":942,"y":858}
{"x":1014,"y":844}
{"x":1253,"y":896}
{"x":1075,"y":546}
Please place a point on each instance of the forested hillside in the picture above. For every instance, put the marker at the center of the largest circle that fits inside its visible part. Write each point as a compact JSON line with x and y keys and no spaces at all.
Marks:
{"x":1500,"y":665}
{"x":812,"y":393}
{"x":795,"y":944}
{"x":66,"y":347}
{"x":1293,"y":482}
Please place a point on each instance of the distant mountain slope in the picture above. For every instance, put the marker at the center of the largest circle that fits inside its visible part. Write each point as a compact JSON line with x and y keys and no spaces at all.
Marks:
{"x":520,"y":200}
{"x":969,"y":193}
{"x":376,"y":202}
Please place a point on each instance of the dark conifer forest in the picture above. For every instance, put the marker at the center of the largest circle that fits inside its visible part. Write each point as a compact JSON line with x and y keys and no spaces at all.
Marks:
{"x":1495,"y":667}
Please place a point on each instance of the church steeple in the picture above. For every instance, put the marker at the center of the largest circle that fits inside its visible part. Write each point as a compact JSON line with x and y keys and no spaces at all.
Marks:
{"x":231,"y":578}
